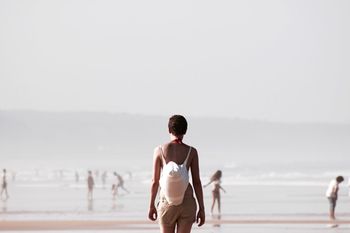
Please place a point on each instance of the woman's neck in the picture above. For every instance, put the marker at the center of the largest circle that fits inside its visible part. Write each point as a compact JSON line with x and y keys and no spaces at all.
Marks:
{"x":176,"y":139}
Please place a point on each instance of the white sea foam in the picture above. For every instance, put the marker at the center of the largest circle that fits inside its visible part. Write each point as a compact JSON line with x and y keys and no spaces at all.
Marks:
{"x":66,"y":178}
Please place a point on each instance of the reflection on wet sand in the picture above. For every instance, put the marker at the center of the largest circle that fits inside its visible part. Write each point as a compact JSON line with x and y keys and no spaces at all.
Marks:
{"x":4,"y":206}
{"x":216,"y":220}
{"x":90,"y":205}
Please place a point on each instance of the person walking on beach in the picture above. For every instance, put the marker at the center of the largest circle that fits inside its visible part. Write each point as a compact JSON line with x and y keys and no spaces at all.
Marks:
{"x":332,"y":195}
{"x":171,"y":163}
{"x":91,"y":184}
{"x":115,"y":186}
{"x":4,"y":185}
{"x":216,"y":180}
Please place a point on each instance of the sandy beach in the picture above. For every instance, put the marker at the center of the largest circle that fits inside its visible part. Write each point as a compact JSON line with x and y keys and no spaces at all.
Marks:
{"x":144,"y":225}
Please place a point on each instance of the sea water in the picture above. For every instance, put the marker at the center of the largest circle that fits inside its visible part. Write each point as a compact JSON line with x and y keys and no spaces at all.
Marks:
{"x":47,"y":190}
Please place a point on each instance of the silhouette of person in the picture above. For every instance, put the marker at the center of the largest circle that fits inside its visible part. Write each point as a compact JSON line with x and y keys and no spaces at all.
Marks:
{"x":216,"y":180}
{"x":91,"y":184}
{"x":13,"y":176}
{"x":332,"y":195}
{"x":104,"y":178}
{"x":4,"y":185}
{"x":97,"y":174}
{"x":118,"y":183}
{"x":77,"y":177}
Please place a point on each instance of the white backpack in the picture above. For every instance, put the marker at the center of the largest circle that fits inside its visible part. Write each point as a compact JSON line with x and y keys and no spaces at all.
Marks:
{"x":174,"y":180}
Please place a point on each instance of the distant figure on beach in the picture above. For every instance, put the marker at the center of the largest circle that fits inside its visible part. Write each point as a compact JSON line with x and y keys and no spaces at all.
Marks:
{"x":115,"y":186}
{"x":171,"y":163}
{"x":332,"y":195}
{"x":61,"y":174}
{"x":118,"y":183}
{"x":13,"y":176}
{"x":4,"y":185}
{"x":97,"y":174}
{"x":216,"y":180}
{"x":130,"y":175}
{"x":91,"y":184}
{"x":104,"y":178}
{"x":76,"y":177}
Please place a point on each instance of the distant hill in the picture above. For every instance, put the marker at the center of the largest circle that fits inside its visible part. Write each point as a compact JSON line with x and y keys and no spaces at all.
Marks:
{"x":24,"y":133}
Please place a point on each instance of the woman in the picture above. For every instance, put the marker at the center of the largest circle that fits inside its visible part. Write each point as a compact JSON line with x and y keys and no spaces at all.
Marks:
{"x":182,"y":214}
{"x":216,"y":180}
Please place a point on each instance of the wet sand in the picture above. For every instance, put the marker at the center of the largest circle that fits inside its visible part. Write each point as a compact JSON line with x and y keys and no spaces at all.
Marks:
{"x":143,"y":224}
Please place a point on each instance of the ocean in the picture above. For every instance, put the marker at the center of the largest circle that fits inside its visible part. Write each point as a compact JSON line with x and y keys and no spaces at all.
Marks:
{"x":45,"y":190}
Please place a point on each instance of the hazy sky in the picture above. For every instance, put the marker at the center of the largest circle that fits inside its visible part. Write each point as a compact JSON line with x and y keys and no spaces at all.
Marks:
{"x":272,"y":60}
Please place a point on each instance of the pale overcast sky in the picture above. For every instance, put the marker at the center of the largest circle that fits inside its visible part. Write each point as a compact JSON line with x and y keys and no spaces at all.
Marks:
{"x":270,"y":60}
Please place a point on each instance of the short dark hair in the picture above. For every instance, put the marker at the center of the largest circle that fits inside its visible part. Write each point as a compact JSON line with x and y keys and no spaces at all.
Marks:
{"x":177,"y":125}
{"x":340,"y":179}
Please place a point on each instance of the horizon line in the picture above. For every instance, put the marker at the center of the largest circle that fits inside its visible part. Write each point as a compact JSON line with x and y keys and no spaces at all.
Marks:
{"x":187,"y":115}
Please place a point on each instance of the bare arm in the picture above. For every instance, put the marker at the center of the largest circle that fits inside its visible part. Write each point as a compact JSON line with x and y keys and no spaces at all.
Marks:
{"x":197,"y":185}
{"x":207,"y":184}
{"x":222,"y":188}
{"x":152,"y":213}
{"x":335,"y":191}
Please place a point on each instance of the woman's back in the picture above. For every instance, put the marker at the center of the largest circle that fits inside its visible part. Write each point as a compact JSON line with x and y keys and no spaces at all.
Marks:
{"x":176,"y":152}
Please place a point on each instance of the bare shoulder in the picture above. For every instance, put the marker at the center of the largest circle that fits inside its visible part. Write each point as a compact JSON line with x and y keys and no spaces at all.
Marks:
{"x":194,"y":151}
{"x":157,"y":151}
{"x":193,"y":154}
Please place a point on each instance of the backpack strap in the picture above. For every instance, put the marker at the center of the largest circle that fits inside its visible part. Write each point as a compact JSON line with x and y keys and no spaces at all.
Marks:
{"x":188,"y":154}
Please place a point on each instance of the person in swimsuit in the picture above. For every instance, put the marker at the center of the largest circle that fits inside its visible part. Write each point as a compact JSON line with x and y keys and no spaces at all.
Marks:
{"x":179,"y":218}
{"x":216,"y":180}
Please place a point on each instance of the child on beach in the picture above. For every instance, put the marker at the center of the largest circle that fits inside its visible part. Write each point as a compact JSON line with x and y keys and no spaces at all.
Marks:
{"x":91,"y":184}
{"x":332,"y":195}
{"x":177,"y":205}
{"x":216,"y":180}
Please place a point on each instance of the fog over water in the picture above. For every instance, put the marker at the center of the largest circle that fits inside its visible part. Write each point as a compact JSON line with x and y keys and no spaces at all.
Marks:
{"x":284,"y":61}
{"x":97,"y":139}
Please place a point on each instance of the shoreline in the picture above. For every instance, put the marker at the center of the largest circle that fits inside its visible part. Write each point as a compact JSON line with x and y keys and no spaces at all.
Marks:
{"x":142,"y":224}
